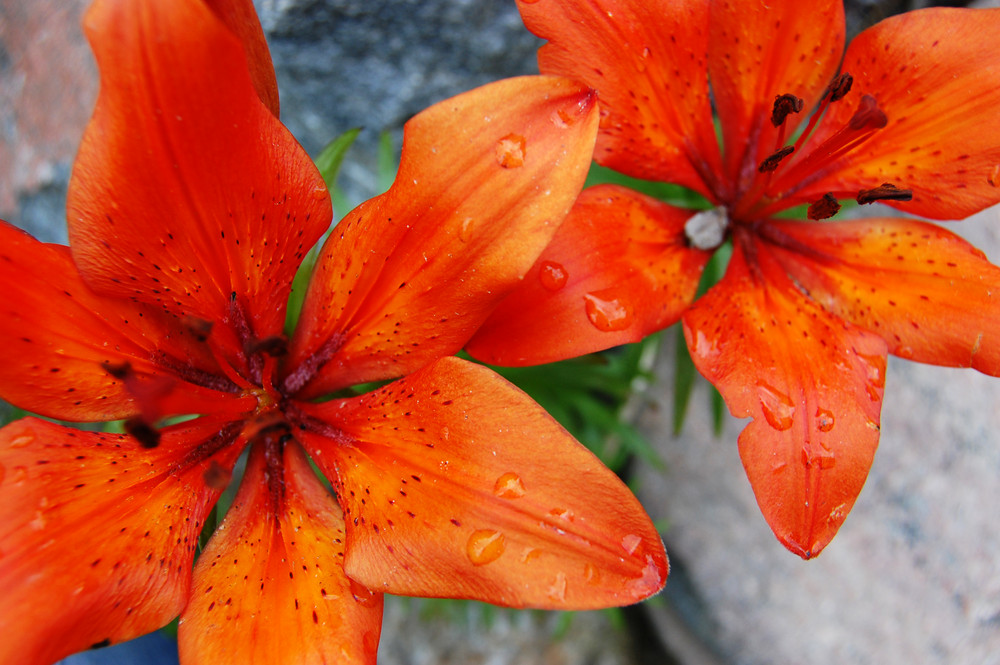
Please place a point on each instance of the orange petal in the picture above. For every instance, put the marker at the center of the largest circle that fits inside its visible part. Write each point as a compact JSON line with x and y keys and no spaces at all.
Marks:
{"x":58,"y":341}
{"x":455,"y":484}
{"x":931,"y":295}
{"x":221,"y":203}
{"x":618,"y":269}
{"x":240,"y":17}
{"x":97,"y":535}
{"x":485,"y":180}
{"x":270,"y":586}
{"x":758,"y":51}
{"x":936,"y":75}
{"x":646,"y":59}
{"x":812,"y":384}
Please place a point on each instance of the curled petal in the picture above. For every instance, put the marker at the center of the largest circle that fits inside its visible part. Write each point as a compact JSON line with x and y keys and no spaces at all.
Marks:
{"x":934,"y":75}
{"x":618,"y":269}
{"x":932,"y":296}
{"x":455,"y":484}
{"x":646,"y":59}
{"x":65,"y":349}
{"x":811,"y":383}
{"x":240,"y":17}
{"x":758,"y":51}
{"x":97,"y":535}
{"x":270,"y":586}
{"x":485,"y":180}
{"x":221,"y":204}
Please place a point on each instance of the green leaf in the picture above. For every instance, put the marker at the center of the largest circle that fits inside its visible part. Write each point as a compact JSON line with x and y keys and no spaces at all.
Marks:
{"x":386,"y":162}
{"x":332,"y":156}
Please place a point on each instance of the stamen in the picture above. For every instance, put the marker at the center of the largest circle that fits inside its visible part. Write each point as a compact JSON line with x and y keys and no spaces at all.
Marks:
{"x":784,"y":105}
{"x":868,"y":115}
{"x":838,"y":87}
{"x":884,"y":192}
{"x":771,"y":163}
{"x":147,"y":435}
{"x":200,"y":329}
{"x":274,"y":346}
{"x":823,"y":208}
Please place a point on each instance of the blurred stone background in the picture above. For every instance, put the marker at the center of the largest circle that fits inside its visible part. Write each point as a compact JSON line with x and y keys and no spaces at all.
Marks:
{"x":913,"y":576}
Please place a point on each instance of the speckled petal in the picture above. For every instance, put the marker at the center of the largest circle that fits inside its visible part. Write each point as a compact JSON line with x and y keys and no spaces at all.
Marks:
{"x":455,"y":484}
{"x":98,"y":535}
{"x":270,"y":587}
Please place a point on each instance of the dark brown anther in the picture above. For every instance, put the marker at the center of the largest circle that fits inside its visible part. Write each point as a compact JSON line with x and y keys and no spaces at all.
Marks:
{"x":868,"y":115}
{"x":120,"y":371}
{"x":274,"y":346}
{"x":823,"y":208}
{"x":147,"y":435}
{"x":771,"y":163}
{"x":884,"y":192}
{"x":216,"y":476}
{"x":200,"y":329}
{"x":839,"y":87}
{"x":783,"y":106}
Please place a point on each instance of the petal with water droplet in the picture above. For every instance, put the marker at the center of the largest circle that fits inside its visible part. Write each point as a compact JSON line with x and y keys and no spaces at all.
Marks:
{"x":481,"y":530}
{"x":805,"y":366}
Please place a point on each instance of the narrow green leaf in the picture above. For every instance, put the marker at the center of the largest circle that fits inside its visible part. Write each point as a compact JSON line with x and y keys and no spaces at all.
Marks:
{"x":332,"y":156}
{"x":386,"y":162}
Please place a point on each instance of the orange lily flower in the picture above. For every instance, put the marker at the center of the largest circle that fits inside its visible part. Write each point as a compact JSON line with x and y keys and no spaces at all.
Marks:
{"x":795,"y":336}
{"x":190,"y":210}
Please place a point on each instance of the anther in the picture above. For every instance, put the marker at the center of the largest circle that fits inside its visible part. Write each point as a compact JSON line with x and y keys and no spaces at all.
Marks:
{"x":274,"y":346}
{"x":147,"y":435}
{"x":839,"y":87}
{"x":784,"y":105}
{"x":823,"y":208}
{"x":771,"y":163}
{"x":199,"y":328}
{"x":884,"y":192}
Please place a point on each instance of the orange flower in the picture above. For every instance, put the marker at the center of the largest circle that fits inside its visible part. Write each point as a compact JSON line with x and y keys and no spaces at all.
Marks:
{"x":190,"y":209}
{"x":795,"y":335}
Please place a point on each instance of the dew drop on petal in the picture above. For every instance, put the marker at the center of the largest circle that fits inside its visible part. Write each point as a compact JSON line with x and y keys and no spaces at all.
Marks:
{"x":362,"y":594}
{"x":22,"y":440}
{"x":606,"y":313}
{"x":510,"y":151}
{"x":649,"y":583}
{"x":562,"y":513}
{"x":994,"y":177}
{"x":445,"y":433}
{"x":485,"y":546}
{"x":591,"y":574}
{"x":562,"y":119}
{"x":630,"y":543}
{"x":777,"y":407}
{"x":557,"y":590}
{"x":465,"y":230}
{"x":641,"y":65}
{"x":509,"y":486}
{"x":552,"y":275}
{"x":19,"y":475}
{"x":331,"y":596}
{"x":530,"y":554}
{"x":824,"y":419}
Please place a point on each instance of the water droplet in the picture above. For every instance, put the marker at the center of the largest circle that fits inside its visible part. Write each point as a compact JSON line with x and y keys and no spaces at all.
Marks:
{"x":824,"y":419}
{"x":445,"y":433}
{"x":529,"y":554}
{"x":20,"y":474}
{"x":650,"y":582}
{"x":824,"y":459}
{"x":552,"y":275}
{"x":557,"y":590}
{"x":778,"y":466}
{"x":591,"y":574}
{"x":466,"y":229}
{"x":39,"y":522}
{"x":509,"y":486}
{"x":605,"y":120}
{"x":994,"y":177}
{"x":510,"y":151}
{"x":630,"y":543}
{"x":22,"y":440}
{"x":562,"y":119}
{"x":485,"y":546}
{"x":332,"y":596}
{"x":320,"y":193}
{"x":563,"y":513}
{"x":904,"y":352}
{"x":641,"y":65}
{"x":362,"y":594}
{"x":837,"y":515}
{"x":607,"y":313}
{"x":777,"y":407}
